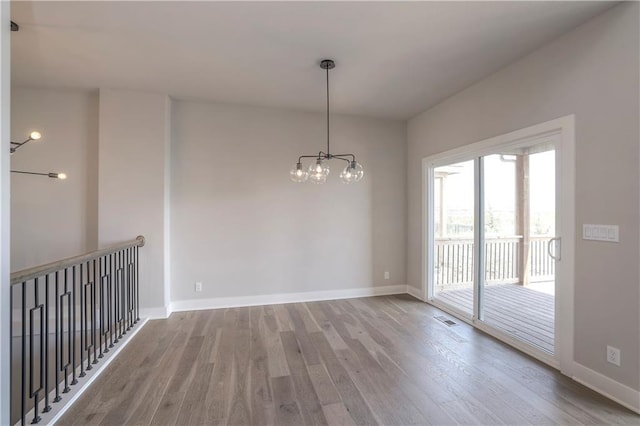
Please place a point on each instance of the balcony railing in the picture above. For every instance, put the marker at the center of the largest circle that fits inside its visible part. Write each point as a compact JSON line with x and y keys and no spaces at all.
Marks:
{"x":65,"y":316}
{"x":454,"y":261}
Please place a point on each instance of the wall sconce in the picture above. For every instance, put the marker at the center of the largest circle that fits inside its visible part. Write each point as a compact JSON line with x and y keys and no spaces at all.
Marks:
{"x":34,"y":136}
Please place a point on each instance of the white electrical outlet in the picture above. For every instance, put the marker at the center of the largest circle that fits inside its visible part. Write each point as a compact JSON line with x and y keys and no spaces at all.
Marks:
{"x":198,"y":286}
{"x":613,"y":355}
{"x":386,"y":275}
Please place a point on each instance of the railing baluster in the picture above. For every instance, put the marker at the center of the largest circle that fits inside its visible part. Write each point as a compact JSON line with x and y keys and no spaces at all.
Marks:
{"x":137,"y":268}
{"x":94,"y":313}
{"x":72,"y":332}
{"x":101,"y":303}
{"x":121,"y":294}
{"x":47,"y":407}
{"x":110,"y":309}
{"x":57,"y":397}
{"x":65,"y":365}
{"x":23,"y":408}
{"x":106,"y":317}
{"x":127,"y":264}
{"x":87,"y":304}
{"x":35,"y":393}
{"x":116,"y":299}
{"x":132,"y":296}
{"x":82,"y":320}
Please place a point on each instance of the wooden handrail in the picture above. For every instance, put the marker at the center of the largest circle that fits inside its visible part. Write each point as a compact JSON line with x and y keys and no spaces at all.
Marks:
{"x":39,"y":271}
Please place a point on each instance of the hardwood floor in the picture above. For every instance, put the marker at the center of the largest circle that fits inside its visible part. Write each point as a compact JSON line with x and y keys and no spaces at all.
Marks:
{"x":378,"y":360}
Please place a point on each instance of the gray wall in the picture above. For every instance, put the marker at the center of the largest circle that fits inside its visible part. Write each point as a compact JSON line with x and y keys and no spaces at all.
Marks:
{"x":591,"y":72}
{"x":242,"y":228}
{"x":133,"y":143}
{"x":52,"y":219}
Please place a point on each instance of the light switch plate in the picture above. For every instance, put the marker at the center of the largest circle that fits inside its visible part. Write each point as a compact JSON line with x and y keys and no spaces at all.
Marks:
{"x":610,"y":233}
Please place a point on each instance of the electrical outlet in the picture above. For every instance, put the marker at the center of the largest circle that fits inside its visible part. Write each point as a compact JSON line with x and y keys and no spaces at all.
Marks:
{"x":386,"y":275}
{"x":613,"y":355}
{"x":198,"y":286}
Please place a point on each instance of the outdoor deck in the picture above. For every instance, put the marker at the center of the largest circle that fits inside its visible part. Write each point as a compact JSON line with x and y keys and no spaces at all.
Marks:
{"x":525,"y":313}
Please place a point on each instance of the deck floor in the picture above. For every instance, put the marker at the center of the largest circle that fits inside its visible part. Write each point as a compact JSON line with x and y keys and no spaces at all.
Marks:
{"x":522,"y":312}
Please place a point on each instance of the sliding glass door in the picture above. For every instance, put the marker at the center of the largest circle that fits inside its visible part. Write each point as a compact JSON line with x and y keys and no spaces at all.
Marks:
{"x":491,"y":220}
{"x":453,"y":248}
{"x":518,"y":289}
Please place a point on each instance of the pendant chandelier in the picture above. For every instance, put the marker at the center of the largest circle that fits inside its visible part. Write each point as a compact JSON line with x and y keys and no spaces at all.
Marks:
{"x":34,"y":136}
{"x":318,"y":170}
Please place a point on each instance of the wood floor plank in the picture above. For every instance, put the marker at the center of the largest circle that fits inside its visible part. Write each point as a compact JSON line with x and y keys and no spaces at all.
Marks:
{"x":300,"y":330}
{"x":193,"y":405}
{"x":240,"y":399}
{"x":167,"y":411}
{"x":276,"y":360}
{"x":378,"y":360}
{"x":324,"y":387}
{"x":349,"y":394}
{"x":222,"y":380}
{"x":305,"y":392}
{"x":282,"y":316}
{"x":337,"y":414}
{"x":182,"y":377}
{"x":286,"y":406}
{"x":309,"y":321}
{"x":262,"y":408}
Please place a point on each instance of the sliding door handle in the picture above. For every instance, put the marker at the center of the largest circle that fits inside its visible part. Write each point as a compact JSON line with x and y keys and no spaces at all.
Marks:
{"x":557,"y":253}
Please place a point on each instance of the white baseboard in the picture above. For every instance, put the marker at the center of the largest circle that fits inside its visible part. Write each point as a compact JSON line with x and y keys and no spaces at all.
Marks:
{"x":616,"y":391}
{"x":276,"y":299}
{"x":415,"y":292}
{"x":161,"y":312}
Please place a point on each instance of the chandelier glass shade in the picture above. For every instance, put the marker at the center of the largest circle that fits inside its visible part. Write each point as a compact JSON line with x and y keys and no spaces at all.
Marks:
{"x":318,"y":170}
{"x":353,"y":172}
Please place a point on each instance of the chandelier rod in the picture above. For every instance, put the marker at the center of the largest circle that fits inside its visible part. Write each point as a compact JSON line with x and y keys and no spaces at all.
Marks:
{"x":328,"y":150}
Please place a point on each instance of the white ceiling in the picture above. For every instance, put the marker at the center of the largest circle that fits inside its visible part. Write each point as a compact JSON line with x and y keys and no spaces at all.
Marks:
{"x":393,"y":59}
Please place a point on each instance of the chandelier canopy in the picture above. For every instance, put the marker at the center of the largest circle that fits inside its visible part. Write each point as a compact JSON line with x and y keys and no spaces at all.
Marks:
{"x":318,"y":170}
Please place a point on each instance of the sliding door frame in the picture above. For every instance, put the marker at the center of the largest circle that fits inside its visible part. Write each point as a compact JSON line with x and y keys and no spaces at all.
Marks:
{"x":563,"y":131}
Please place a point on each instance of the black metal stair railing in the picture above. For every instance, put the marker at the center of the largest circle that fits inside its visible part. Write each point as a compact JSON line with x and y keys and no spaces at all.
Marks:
{"x":66,"y":316}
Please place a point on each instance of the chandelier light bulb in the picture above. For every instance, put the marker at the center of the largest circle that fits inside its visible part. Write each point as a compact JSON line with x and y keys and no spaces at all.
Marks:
{"x":347,"y":175}
{"x":298,"y":173}
{"x":357,"y":171}
{"x":61,"y":176}
{"x":318,"y":172}
{"x":35,"y":135}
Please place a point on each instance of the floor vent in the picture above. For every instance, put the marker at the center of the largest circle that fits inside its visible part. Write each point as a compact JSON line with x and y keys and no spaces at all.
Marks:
{"x":445,"y":320}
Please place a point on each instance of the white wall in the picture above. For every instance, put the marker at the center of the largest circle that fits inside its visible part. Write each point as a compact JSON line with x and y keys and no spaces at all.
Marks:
{"x":591,"y":72}
{"x":240,"y":226}
{"x":5,"y":120}
{"x":132,"y":187}
{"x":53,"y":219}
